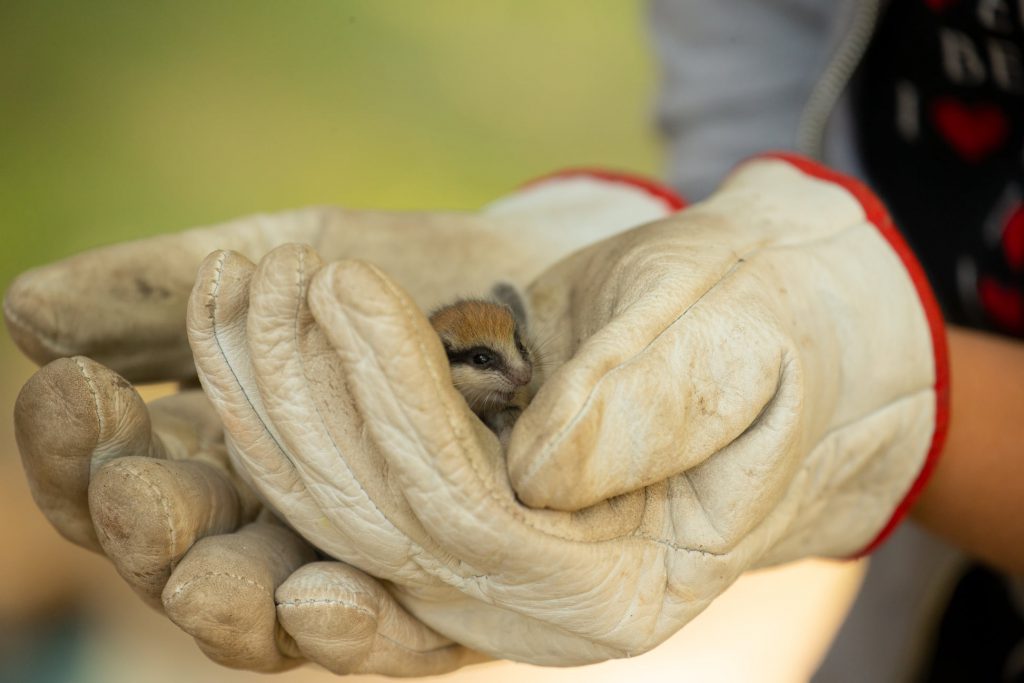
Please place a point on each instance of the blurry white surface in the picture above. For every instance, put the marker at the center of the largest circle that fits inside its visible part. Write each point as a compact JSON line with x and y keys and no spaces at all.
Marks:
{"x":772,"y":626}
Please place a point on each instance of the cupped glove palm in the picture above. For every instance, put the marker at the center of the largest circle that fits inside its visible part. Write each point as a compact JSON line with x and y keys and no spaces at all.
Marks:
{"x":758,"y":378}
{"x":151,"y":486}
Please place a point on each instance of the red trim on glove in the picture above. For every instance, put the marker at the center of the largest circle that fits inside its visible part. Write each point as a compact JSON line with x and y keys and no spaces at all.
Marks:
{"x":876,"y":212}
{"x":672,"y":200}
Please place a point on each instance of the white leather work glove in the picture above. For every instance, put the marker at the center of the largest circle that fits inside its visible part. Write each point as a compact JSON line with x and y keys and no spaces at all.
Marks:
{"x":757,"y":378}
{"x":151,"y":487}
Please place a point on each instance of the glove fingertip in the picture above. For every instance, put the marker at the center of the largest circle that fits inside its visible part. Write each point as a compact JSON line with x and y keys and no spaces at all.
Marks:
{"x":219,"y":297}
{"x":148,"y":512}
{"x":222,"y":594}
{"x":331,"y":615}
{"x":29,"y":321}
{"x":71,"y":414}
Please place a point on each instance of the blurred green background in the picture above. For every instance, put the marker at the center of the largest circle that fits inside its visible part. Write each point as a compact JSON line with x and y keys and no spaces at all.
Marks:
{"x":125,"y":119}
{"x":120,"y":119}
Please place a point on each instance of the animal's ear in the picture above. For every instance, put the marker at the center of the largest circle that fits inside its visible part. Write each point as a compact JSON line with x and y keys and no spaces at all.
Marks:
{"x":508,"y":294}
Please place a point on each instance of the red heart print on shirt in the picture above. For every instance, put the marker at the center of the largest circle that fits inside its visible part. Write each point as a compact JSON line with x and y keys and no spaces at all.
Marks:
{"x":939,"y":5}
{"x":973,"y":130}
{"x":1005,"y":303}
{"x":1013,"y":240}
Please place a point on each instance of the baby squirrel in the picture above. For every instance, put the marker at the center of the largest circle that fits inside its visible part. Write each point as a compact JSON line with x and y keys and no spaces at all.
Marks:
{"x":491,"y":363}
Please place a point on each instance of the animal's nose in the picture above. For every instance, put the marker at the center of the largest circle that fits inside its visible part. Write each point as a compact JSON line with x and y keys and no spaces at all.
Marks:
{"x":522,"y":376}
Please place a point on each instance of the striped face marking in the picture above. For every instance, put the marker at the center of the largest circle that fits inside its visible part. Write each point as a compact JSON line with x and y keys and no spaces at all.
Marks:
{"x":489,"y":361}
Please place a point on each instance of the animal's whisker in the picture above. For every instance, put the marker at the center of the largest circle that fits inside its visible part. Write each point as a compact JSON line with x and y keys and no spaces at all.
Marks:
{"x":543,"y":344}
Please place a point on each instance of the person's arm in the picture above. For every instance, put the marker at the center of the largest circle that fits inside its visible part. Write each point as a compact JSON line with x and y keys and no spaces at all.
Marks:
{"x":976,"y":495}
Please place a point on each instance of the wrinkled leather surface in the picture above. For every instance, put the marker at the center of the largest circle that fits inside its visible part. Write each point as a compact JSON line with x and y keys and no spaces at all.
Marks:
{"x":152,"y":487}
{"x":744,"y":383}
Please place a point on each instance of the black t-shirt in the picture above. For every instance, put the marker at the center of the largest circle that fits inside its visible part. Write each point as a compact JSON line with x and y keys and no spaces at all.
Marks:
{"x":939,"y":110}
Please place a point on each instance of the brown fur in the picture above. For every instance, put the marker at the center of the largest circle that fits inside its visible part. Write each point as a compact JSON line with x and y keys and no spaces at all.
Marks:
{"x":491,"y":393}
{"x":475,"y":322}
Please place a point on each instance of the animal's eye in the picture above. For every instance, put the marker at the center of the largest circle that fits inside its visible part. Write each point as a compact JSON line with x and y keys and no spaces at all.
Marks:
{"x":481,"y":359}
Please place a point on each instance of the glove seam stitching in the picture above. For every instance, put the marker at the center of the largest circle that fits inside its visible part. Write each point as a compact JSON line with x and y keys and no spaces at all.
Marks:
{"x":171,"y":532}
{"x":211,"y":309}
{"x":202,"y":577}
{"x":213,"y":297}
{"x":100,"y":422}
{"x":301,"y":471}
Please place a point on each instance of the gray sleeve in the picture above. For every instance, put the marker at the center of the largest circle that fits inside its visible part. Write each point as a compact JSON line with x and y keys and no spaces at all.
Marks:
{"x":735,"y":76}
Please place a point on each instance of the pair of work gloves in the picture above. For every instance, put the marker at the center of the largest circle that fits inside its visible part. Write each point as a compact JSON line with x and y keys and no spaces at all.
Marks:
{"x":754,"y":379}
